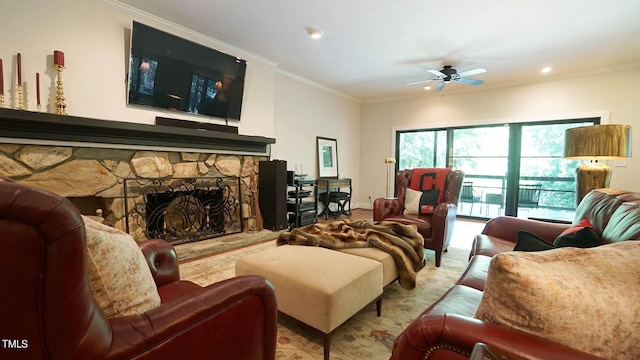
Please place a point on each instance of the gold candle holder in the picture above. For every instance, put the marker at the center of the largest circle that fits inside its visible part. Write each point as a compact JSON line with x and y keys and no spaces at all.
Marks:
{"x":1,"y":100}
{"x":60,"y":105}
{"x":20,"y":97}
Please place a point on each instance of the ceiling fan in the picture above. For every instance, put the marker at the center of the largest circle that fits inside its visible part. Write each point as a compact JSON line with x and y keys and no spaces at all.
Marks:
{"x":448,"y":74}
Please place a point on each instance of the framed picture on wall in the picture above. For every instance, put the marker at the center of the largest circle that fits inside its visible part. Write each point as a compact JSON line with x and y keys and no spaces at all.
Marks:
{"x":327,"y":157}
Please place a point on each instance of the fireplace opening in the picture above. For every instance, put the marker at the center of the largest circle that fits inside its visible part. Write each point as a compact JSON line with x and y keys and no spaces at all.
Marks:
{"x":187,"y":210}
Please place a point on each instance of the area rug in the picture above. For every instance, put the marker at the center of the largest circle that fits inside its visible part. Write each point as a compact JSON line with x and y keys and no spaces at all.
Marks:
{"x":364,"y":336}
{"x":203,"y":248}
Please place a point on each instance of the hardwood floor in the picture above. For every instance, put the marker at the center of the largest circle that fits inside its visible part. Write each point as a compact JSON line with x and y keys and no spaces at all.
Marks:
{"x":356,"y":214}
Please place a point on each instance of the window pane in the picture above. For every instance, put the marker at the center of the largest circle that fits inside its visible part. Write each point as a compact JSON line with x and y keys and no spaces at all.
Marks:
{"x":542,"y":166}
{"x":423,"y":149}
{"x":482,"y":153}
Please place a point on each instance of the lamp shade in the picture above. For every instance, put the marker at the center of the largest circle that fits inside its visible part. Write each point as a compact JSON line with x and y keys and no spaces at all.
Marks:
{"x":604,"y":142}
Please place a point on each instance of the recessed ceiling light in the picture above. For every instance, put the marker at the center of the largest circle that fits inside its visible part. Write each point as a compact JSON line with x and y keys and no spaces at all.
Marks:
{"x":545,"y":70}
{"x":314,"y":33}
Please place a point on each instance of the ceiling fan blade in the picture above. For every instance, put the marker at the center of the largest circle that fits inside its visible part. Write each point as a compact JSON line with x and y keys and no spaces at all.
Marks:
{"x":472,"y":72}
{"x":419,"y":82}
{"x":471,"y":81}
{"x":440,"y":86}
{"x":437,"y":73}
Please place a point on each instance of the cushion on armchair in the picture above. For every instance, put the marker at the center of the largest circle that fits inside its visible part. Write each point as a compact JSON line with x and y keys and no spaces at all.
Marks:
{"x":119,"y":277}
{"x":425,"y":190}
{"x":583,"y":298}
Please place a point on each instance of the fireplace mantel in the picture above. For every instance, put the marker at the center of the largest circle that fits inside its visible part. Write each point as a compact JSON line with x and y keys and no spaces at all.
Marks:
{"x":21,"y":126}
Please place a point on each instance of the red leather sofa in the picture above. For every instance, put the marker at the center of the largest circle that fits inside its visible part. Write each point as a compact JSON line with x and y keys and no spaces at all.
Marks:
{"x":436,"y":229}
{"x":448,"y":329}
{"x":47,"y":310}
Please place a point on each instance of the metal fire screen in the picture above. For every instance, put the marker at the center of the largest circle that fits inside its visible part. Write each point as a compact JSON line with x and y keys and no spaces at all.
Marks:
{"x":183,"y":210}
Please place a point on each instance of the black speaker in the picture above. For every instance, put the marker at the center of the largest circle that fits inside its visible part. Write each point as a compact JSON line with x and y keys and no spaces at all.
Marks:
{"x":272,"y":182}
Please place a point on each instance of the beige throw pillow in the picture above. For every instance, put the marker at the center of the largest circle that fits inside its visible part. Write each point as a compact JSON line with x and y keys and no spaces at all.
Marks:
{"x":586,"y":299}
{"x":119,"y":277}
{"x":412,"y":201}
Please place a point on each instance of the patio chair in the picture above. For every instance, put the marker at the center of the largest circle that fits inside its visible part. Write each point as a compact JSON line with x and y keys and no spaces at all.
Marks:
{"x":529,"y":196}
{"x":469,"y":195}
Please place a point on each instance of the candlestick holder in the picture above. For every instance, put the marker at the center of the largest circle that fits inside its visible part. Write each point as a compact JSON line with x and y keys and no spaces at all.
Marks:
{"x":60,"y":105}
{"x":20,"y":97}
{"x":1,"y":101}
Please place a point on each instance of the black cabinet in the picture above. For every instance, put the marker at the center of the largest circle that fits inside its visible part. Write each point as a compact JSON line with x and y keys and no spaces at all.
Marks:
{"x":302,"y":201}
{"x":272,"y":182}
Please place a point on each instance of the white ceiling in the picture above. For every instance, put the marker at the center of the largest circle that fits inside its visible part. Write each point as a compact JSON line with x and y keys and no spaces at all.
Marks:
{"x":372,"y":48}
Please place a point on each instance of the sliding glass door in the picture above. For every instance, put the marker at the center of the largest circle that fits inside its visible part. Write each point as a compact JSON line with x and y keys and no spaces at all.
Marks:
{"x":512,"y":169}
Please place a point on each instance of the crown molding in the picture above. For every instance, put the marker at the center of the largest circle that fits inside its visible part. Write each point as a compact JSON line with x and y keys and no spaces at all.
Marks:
{"x":316,"y":85}
{"x":203,"y":39}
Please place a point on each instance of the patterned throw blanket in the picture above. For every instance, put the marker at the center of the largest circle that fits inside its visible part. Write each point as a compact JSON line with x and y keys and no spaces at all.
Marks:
{"x":402,"y":242}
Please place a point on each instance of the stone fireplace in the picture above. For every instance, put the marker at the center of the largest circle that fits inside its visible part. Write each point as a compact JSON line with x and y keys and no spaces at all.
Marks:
{"x":206,"y":191}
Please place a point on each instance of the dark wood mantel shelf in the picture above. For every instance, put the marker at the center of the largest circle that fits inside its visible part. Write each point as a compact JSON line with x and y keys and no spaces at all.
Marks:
{"x":27,"y":125}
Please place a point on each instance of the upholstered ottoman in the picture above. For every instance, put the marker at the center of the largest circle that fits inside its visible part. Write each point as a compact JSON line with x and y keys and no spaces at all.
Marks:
{"x":389,"y":268}
{"x":319,"y":287}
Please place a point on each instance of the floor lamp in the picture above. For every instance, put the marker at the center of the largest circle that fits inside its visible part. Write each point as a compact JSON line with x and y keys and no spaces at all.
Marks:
{"x":597,"y":142}
{"x":389,"y":160}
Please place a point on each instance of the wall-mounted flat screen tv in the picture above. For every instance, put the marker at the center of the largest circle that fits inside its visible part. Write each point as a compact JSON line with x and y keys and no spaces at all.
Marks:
{"x":168,"y":72}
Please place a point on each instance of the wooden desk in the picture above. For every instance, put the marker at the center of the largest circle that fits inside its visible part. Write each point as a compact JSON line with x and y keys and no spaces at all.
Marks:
{"x":334,"y":191}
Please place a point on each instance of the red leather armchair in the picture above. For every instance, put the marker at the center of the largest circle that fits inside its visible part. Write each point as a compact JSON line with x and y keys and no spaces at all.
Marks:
{"x":435,"y":229}
{"x":47,"y":310}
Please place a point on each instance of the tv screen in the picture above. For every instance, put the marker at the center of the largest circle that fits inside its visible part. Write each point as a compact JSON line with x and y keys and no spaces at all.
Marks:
{"x":168,"y":72}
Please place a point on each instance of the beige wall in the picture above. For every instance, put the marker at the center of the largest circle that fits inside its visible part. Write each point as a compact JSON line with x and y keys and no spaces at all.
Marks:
{"x":94,"y":37}
{"x":613,"y":95}
{"x":304,"y":112}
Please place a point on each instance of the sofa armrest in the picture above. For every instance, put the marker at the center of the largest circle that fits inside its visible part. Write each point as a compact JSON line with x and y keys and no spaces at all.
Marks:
{"x":442,"y":336}
{"x":500,"y":234}
{"x":231,"y":319}
{"x":506,"y":227}
{"x":386,"y":207}
{"x":162,"y":260}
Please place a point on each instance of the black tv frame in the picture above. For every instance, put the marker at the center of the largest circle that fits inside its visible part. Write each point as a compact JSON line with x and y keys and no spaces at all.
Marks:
{"x":187,"y":77}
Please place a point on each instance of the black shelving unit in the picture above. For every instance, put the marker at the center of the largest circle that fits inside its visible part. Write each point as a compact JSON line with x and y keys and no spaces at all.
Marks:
{"x":302,"y":202}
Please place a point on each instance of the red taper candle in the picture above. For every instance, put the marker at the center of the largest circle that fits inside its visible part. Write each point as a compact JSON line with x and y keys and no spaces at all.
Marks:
{"x":19,"y":61}
{"x":58,"y":58}
{"x":38,"y":88}
{"x":1,"y":79}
